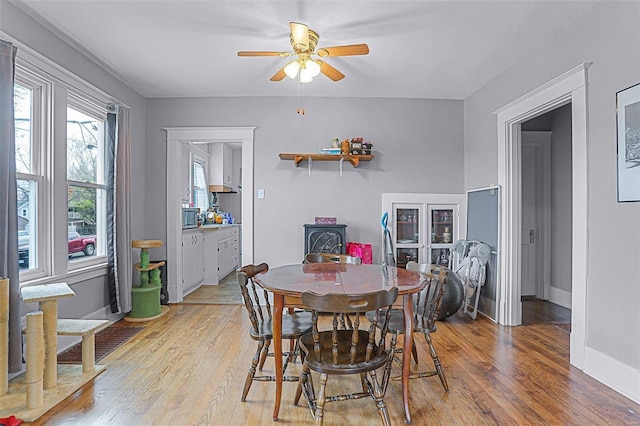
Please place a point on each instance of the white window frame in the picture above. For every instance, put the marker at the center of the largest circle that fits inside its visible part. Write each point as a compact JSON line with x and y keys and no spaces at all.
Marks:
{"x":41,"y":90}
{"x":57,"y":85}
{"x":197,"y":159}
{"x":81,"y":104}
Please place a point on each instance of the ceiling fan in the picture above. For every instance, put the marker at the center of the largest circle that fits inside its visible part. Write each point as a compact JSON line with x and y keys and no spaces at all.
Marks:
{"x":305,"y":67}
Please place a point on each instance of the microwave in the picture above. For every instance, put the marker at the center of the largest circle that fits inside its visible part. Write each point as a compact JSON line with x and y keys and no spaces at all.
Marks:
{"x":189,"y":218}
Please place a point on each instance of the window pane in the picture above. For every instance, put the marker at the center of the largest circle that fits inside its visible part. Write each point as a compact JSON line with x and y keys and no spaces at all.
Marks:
{"x":23,"y":112}
{"x":27,"y":221}
{"x":200,"y":193}
{"x":85,"y":207}
{"x":85,"y":144}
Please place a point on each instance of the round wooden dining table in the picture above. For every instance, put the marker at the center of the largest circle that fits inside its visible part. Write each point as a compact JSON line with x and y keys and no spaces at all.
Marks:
{"x":287,"y":283}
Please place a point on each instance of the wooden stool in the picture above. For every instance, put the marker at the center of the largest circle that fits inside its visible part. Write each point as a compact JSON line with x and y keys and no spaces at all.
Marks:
{"x":47,"y":296}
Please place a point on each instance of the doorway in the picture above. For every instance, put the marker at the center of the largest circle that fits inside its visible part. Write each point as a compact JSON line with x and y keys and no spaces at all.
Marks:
{"x":176,"y":136}
{"x":546,"y":217}
{"x":570,"y":87}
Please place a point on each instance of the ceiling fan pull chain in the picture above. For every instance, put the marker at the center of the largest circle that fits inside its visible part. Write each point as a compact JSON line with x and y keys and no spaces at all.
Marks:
{"x":298,"y":108}
{"x":302,"y":96}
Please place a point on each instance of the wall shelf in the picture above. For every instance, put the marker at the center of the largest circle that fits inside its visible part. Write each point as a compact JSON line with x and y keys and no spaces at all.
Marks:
{"x":353,"y":159}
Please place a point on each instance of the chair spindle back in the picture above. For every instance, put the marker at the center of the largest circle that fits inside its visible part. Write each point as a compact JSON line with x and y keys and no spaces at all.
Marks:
{"x":355,"y":305}
{"x":250,"y":296}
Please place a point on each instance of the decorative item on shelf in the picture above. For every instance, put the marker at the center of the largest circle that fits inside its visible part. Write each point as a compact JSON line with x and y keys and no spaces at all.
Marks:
{"x":331,"y":151}
{"x":446,"y":235}
{"x":326,"y":220}
{"x":366,"y":148}
{"x":356,"y":146}
{"x":345,"y":147}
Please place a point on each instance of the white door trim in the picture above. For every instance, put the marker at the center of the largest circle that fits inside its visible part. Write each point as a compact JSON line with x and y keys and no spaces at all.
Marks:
{"x":570,"y":87}
{"x":176,"y":136}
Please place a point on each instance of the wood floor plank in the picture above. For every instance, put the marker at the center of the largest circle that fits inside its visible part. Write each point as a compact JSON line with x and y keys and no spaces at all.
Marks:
{"x":189,"y":366}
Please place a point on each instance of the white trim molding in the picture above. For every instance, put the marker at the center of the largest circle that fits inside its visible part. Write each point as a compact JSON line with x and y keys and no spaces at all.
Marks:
{"x":570,"y":87}
{"x":618,"y":376}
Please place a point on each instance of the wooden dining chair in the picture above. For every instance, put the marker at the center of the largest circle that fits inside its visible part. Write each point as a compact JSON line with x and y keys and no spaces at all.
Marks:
{"x":332,"y":258}
{"x":352,"y":351}
{"x":345,"y":319}
{"x":294,"y":324}
{"x":426,"y":305}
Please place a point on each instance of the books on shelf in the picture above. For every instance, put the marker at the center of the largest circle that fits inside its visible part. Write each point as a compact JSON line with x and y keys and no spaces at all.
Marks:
{"x":330,"y":151}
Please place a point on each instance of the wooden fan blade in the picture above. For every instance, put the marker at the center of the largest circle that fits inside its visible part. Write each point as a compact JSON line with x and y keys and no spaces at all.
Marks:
{"x":299,"y":36}
{"x":330,"y":71}
{"x":279,"y":75}
{"x":349,"y":50}
{"x":261,"y":53}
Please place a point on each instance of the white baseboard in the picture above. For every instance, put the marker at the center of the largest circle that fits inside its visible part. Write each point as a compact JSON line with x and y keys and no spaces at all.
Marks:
{"x":560,"y":297}
{"x":616,"y":375}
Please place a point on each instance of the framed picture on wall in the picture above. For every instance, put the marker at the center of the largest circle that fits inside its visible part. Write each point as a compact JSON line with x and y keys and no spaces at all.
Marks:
{"x":628,"y":130}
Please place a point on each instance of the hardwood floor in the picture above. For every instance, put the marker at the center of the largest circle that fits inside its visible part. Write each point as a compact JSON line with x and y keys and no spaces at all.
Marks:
{"x":536,"y":311}
{"x":189,"y":366}
{"x":225,"y":293}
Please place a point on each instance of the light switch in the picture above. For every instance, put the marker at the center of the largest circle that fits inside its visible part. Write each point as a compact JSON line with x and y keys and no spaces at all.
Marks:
{"x":260,"y":193}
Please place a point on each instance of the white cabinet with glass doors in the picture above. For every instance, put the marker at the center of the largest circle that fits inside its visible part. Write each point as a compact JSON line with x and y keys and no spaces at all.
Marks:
{"x":442,"y":225}
{"x":423,"y":226}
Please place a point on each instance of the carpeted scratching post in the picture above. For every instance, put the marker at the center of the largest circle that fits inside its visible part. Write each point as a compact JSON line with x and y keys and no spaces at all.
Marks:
{"x":35,"y":359}
{"x":145,"y":298}
{"x":4,"y":335}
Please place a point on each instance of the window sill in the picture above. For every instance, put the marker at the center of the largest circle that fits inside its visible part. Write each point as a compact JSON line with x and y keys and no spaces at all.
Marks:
{"x":72,"y":277}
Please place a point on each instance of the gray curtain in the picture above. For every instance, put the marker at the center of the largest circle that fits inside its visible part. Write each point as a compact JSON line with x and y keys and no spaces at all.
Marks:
{"x":9,"y":203}
{"x":118,"y":208}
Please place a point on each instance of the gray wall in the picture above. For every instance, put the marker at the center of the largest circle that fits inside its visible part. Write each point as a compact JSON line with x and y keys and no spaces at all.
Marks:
{"x":418,"y":146}
{"x":609,"y":36}
{"x":91,"y":295}
{"x":561,"y":198}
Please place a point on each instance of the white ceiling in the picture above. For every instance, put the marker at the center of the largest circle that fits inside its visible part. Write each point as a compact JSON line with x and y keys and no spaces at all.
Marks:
{"x":418,"y":49}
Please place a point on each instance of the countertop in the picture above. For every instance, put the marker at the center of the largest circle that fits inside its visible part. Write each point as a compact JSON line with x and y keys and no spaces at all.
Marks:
{"x":211,"y":226}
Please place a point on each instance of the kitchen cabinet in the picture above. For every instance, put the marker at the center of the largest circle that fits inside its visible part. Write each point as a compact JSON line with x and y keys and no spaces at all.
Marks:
{"x":210,"y":256}
{"x":192,"y":259}
{"x":221,"y":169}
{"x":228,"y":250}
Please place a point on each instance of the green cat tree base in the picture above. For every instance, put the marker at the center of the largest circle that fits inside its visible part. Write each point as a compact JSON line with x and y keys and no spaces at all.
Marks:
{"x":145,"y":299}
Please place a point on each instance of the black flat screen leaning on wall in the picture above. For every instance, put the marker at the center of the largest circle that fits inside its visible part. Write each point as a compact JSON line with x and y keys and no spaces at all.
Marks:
{"x":483,"y":224}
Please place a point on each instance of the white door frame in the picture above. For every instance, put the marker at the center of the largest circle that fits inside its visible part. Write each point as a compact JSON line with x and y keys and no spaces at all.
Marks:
{"x":570,"y":87}
{"x":176,"y":136}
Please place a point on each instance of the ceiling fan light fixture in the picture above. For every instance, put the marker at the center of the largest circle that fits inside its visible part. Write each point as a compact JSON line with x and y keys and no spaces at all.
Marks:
{"x":312,"y":67}
{"x":305,"y":76}
{"x":291,"y":69}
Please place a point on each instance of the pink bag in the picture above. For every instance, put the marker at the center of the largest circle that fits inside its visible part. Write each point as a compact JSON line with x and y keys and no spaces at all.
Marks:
{"x":363,"y":251}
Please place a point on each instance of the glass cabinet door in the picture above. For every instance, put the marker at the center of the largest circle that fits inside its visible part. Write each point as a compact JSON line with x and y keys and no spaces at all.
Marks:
{"x":442,"y":230}
{"x":408,"y":221}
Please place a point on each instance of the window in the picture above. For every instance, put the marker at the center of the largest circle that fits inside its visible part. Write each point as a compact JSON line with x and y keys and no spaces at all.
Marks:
{"x":86,"y":191}
{"x":200,"y":189}
{"x":28,"y":94}
{"x":61,"y":173}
